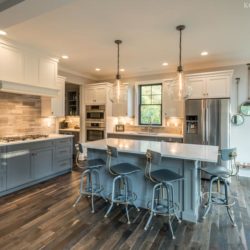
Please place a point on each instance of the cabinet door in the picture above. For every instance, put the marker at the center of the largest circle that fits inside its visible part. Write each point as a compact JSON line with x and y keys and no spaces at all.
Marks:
{"x":58,"y":103}
{"x":11,"y":64}
{"x":2,"y":170}
{"x":18,"y":167}
{"x":95,"y":95}
{"x":42,"y":161}
{"x":218,"y":86}
{"x":47,"y":72}
{"x":198,"y":86}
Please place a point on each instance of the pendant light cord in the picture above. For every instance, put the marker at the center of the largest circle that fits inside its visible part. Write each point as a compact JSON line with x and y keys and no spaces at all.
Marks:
{"x":180,"y":48}
{"x":237,"y":91}
{"x":118,"y":42}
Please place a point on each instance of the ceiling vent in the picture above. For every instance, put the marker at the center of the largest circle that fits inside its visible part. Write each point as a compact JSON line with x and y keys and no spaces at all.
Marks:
{"x":6,"y":4}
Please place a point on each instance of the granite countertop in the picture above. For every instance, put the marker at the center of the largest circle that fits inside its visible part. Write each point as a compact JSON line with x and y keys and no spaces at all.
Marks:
{"x":70,"y":129}
{"x":151,"y":134}
{"x":173,"y":150}
{"x":50,"y":137}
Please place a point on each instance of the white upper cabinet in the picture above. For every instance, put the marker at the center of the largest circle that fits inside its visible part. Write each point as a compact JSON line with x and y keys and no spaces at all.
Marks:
{"x":58,"y":102}
{"x":11,"y":63}
{"x":25,"y":66}
{"x":171,"y":108}
{"x":210,"y":85}
{"x":96,"y":94}
{"x":126,"y":106}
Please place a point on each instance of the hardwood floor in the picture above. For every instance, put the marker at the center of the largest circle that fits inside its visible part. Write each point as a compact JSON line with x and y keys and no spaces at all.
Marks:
{"x":42,"y":217}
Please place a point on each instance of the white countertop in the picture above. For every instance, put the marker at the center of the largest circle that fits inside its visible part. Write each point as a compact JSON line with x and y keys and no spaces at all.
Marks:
{"x":167,"y":149}
{"x":50,"y":137}
{"x":147,"y":134}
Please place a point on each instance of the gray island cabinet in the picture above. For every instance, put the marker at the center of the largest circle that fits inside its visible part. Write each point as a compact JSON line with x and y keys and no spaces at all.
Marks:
{"x":27,"y":163}
{"x":180,"y":158}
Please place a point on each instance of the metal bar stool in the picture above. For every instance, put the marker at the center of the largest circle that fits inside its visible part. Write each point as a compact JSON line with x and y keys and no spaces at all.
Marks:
{"x":221,"y":174}
{"x":90,"y":179}
{"x":120,"y":186}
{"x":162,"y":202}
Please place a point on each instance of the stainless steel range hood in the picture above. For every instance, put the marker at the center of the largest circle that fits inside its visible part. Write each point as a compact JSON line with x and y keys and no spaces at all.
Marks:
{"x":20,"y":88}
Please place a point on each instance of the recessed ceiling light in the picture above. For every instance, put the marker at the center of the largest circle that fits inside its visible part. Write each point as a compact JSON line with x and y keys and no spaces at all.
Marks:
{"x":65,"y":57}
{"x":122,"y":70}
{"x":3,"y":33}
{"x":165,"y":64}
{"x":97,"y":69}
{"x":204,"y":53}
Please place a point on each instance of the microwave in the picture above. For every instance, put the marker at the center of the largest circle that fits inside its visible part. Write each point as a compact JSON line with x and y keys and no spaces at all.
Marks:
{"x":95,"y":112}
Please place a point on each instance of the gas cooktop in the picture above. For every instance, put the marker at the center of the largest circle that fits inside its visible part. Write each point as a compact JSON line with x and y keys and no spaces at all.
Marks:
{"x":22,"y":138}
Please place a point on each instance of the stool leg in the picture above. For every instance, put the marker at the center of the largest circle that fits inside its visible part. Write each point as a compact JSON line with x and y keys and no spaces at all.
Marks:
{"x":125,"y":183}
{"x":172,"y":197}
{"x":92,"y":194}
{"x":210,"y":196}
{"x":112,"y":195}
{"x":152,"y":207}
{"x":170,"y":226}
{"x":86,"y":172}
{"x":228,"y":208}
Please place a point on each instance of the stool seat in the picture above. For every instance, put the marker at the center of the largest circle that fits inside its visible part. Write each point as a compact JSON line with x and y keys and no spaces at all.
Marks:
{"x":94,"y":163}
{"x":124,"y":168}
{"x":218,"y":171}
{"x":164,"y":175}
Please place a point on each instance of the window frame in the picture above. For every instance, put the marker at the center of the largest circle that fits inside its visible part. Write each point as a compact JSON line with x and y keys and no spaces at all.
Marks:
{"x":140,"y":100}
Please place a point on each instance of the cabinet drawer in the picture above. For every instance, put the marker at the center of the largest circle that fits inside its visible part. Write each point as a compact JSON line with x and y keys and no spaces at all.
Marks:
{"x":61,"y":165}
{"x":63,"y":153}
{"x":63,"y":142}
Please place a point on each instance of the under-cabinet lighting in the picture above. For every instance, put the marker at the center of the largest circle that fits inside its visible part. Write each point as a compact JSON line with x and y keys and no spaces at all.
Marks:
{"x":65,"y":57}
{"x":97,"y":69}
{"x":3,"y":33}
{"x":165,"y":64}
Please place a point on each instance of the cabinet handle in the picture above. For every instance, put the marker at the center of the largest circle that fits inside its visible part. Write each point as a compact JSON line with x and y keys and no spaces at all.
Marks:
{"x":63,"y":151}
{"x":63,"y":164}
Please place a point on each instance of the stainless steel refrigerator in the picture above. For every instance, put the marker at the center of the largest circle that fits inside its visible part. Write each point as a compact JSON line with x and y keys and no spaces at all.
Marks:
{"x":207,"y":121}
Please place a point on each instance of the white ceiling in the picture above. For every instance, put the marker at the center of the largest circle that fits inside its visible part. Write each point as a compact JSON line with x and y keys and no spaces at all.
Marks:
{"x":86,"y":29}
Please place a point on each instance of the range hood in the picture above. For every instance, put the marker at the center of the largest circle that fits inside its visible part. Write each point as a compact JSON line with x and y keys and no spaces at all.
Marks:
{"x":20,"y":88}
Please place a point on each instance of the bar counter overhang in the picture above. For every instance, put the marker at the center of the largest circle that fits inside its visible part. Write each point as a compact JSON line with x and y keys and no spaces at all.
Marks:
{"x":184,"y":159}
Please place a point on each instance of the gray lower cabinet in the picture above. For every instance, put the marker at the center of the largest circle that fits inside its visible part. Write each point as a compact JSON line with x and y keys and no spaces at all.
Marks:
{"x":18,"y":166}
{"x":42,"y":162}
{"x":144,"y":137}
{"x":2,"y":169}
{"x":27,"y":163}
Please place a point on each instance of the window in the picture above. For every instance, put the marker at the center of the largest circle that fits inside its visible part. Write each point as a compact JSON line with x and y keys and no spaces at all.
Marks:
{"x":150,"y":104}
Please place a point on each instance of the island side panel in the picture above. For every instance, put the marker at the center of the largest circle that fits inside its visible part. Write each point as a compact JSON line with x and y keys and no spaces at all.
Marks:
{"x":143,"y":188}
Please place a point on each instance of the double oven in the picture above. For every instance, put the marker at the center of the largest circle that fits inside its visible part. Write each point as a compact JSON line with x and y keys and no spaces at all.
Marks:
{"x":95,"y":122}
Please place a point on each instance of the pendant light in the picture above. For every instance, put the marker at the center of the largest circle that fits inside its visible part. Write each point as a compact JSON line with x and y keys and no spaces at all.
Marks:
{"x":178,"y":89}
{"x":116,"y":94}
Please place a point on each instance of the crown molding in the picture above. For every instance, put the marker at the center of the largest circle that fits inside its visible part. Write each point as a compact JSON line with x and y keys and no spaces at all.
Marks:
{"x":76,"y":73}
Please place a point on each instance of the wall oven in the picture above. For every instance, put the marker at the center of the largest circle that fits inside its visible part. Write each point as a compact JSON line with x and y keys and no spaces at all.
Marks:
{"x":95,"y":112}
{"x":95,"y":122}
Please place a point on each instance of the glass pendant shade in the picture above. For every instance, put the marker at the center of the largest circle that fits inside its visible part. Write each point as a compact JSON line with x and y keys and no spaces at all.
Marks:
{"x":178,"y":88}
{"x":116,"y":93}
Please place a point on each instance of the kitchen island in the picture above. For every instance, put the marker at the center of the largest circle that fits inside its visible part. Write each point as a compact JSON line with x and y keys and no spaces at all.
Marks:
{"x":183,"y":159}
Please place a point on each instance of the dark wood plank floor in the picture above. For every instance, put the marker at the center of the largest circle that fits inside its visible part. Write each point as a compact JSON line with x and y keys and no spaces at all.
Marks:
{"x":42,"y":217}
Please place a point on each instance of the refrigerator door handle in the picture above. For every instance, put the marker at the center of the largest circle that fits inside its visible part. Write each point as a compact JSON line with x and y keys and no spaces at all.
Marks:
{"x":203,"y":121}
{"x":207,"y":125}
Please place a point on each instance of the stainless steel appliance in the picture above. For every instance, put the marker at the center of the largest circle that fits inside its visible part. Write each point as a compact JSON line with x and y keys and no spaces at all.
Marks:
{"x":207,"y":121}
{"x":95,"y":112}
{"x":95,"y":122}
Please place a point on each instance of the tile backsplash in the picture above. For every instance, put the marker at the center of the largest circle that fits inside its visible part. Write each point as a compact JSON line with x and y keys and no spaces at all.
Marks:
{"x":173,"y":125}
{"x":21,"y":115}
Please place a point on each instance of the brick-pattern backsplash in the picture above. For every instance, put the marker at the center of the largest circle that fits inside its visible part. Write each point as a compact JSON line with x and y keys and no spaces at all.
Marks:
{"x":21,"y":115}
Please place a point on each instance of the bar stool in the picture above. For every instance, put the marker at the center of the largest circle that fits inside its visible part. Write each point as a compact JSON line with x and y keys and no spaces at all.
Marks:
{"x":222,"y":174}
{"x":120,"y":186}
{"x":90,"y":179}
{"x":162,"y":202}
